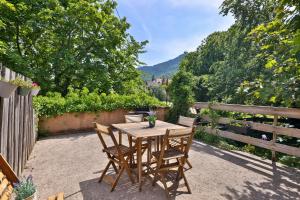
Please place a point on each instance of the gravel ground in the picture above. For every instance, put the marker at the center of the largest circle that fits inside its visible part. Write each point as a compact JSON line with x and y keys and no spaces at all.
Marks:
{"x":73,"y":163}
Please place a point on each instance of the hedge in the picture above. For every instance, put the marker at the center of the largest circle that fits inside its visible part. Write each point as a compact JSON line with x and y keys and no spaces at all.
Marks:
{"x":54,"y":103}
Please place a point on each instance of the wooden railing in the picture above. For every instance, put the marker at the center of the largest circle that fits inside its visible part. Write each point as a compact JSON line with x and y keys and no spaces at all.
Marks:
{"x":276,"y":112}
{"x":17,"y":126}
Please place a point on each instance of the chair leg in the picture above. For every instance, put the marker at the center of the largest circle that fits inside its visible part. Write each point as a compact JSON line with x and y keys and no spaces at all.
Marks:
{"x":117,"y":179}
{"x":154,"y":178}
{"x":115,"y":167}
{"x":163,"y":180}
{"x":189,"y":164}
{"x":105,"y":170}
{"x":129,"y":172}
{"x":185,"y":181}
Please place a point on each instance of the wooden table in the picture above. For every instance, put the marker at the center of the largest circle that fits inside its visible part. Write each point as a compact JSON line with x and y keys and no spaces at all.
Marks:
{"x":141,"y":130}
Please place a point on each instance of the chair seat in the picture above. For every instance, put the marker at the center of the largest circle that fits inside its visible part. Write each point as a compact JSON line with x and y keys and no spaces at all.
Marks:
{"x":169,"y":154}
{"x":113,"y":150}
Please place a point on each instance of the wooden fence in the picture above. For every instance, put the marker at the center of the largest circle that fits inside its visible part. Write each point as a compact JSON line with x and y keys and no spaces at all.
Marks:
{"x":17,"y":126}
{"x":264,"y":110}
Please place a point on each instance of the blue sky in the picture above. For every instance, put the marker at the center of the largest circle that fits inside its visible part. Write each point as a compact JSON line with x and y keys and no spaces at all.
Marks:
{"x":172,"y":26}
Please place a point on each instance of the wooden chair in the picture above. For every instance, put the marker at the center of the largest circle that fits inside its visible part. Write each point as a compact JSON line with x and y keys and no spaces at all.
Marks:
{"x":134,"y":118}
{"x":173,"y":158}
{"x":116,"y":154}
{"x":187,"y":122}
{"x":8,"y":176}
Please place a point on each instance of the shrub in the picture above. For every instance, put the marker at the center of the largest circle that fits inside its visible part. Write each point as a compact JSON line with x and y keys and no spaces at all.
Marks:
{"x":76,"y":100}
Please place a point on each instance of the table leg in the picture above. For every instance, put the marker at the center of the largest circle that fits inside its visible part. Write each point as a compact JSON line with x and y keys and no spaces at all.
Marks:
{"x":130,"y":146}
{"x":139,"y":162}
{"x":120,"y":137}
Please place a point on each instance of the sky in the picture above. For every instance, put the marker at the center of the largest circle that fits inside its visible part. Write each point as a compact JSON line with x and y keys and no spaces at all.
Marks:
{"x":172,"y":26}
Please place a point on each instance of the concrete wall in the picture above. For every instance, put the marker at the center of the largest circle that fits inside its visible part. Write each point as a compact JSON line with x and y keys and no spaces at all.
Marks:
{"x":75,"y":122}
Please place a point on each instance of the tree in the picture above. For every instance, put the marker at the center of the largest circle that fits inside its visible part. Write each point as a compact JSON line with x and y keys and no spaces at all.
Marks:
{"x":227,"y":59}
{"x":280,"y":55}
{"x":181,"y":94}
{"x":72,"y":42}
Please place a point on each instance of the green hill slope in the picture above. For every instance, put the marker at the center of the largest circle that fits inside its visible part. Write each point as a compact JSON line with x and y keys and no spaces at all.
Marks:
{"x":167,"y":68}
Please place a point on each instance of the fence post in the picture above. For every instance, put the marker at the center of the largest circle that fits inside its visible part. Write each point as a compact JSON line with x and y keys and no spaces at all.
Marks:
{"x":275,"y":121}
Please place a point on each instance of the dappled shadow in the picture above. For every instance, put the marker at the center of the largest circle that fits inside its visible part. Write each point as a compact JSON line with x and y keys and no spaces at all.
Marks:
{"x":93,"y":190}
{"x":280,"y":182}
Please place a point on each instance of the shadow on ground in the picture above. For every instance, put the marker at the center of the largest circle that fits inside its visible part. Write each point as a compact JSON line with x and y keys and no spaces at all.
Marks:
{"x":282,"y":183}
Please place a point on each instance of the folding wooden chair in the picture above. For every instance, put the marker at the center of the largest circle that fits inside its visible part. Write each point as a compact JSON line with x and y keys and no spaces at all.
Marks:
{"x":116,"y":154}
{"x":173,"y":158}
{"x":187,"y":122}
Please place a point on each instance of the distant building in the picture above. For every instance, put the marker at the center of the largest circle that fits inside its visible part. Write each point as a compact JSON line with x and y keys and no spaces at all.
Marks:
{"x":158,"y":81}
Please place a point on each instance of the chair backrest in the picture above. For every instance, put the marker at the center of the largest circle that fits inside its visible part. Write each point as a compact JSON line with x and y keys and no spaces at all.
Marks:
{"x":186,"y":121}
{"x":185,"y":135}
{"x":104,"y":130}
{"x":134,"y":118}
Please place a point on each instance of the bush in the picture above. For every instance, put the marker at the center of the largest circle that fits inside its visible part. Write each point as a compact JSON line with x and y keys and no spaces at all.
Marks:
{"x":54,"y":103}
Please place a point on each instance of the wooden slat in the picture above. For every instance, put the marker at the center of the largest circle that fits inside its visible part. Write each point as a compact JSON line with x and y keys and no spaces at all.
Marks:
{"x":279,"y":130}
{"x":264,"y":110}
{"x":60,"y":196}
{"x":186,"y":121}
{"x":52,"y":197}
{"x":3,"y":185}
{"x":7,"y":194}
{"x":254,"y":141}
{"x":1,"y":176}
{"x":8,"y":171}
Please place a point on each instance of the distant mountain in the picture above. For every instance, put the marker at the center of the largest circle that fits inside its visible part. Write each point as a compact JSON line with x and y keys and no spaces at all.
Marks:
{"x":167,"y":68}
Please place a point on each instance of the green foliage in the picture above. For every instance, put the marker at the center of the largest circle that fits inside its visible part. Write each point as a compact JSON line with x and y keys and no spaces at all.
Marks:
{"x":181,"y":94}
{"x":57,"y":43}
{"x":249,"y":148}
{"x":22,"y":83}
{"x":24,"y":189}
{"x":84,"y":101}
{"x":151,"y":118}
{"x":292,"y":161}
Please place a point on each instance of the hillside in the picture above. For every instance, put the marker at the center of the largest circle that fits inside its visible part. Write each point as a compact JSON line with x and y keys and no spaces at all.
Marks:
{"x":167,"y":68}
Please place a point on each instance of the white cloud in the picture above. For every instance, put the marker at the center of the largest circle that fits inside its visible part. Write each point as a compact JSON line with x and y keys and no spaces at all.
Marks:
{"x":196,"y":3}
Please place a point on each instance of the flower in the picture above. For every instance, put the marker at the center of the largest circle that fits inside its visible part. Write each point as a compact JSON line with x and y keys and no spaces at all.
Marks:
{"x":264,"y":137}
{"x":151,"y":113}
{"x":35,"y":86}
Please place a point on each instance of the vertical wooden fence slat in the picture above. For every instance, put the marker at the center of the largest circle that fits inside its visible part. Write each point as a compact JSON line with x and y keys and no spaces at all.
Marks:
{"x":17,"y":133}
{"x":275,"y":121}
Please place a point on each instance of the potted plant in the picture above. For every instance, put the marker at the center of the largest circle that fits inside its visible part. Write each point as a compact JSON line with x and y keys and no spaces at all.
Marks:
{"x":151,"y":119}
{"x":24,"y":86}
{"x":25,"y":190}
{"x":6,"y":88}
{"x":35,"y":89}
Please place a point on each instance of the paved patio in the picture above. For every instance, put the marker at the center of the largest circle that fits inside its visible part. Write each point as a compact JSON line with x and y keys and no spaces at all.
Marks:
{"x":73,"y":163}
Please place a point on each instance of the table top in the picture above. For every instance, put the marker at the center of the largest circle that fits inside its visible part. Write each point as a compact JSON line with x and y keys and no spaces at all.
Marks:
{"x":142,"y":130}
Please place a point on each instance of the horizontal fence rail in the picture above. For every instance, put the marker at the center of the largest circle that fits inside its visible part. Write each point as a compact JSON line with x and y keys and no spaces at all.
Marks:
{"x":17,"y":126}
{"x":263,"y":110}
